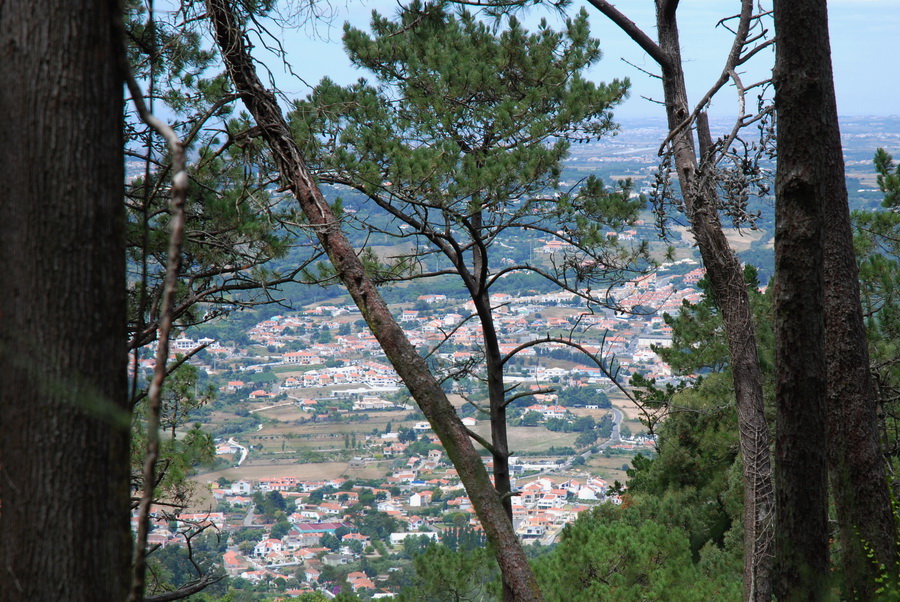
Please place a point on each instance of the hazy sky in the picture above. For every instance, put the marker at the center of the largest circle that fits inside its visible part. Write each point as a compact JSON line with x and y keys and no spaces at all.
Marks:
{"x":864,"y":36}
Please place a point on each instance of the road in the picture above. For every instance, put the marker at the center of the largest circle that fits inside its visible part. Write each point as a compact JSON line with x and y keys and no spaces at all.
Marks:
{"x":244,"y":450}
{"x":614,"y":437}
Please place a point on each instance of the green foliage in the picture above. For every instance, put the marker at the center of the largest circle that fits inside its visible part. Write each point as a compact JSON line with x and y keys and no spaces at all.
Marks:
{"x":377,"y":525}
{"x":172,"y":567}
{"x":583,"y":396}
{"x":697,"y":467}
{"x":251,"y":535}
{"x":618,"y":554}
{"x":463,"y":538}
{"x":366,"y":497}
{"x":887,"y":582}
{"x":180,"y":453}
{"x":414,"y":545}
{"x":317,"y":495}
{"x":586,"y":439}
{"x":604,"y":427}
{"x":692,"y":486}
{"x":698,"y":336}
{"x":888,"y":178}
{"x":444,"y":575}
{"x":531,"y":418}
{"x":583,"y":424}
{"x":231,"y":228}
{"x":269,"y":504}
{"x":422,"y":446}
{"x":280,"y":529}
{"x":557,"y":424}
{"x":330,"y":541}
{"x":405,"y":435}
{"x":877,"y":242}
{"x":462,"y":142}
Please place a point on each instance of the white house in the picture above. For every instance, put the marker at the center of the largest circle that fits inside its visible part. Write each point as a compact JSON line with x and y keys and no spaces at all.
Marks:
{"x":266,"y":547}
{"x":241,"y":488}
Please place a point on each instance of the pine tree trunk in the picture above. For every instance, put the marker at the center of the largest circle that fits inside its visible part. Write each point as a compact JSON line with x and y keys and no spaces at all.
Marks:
{"x":857,"y":467}
{"x":64,"y":428}
{"x":801,"y":546}
{"x":729,"y":289}
{"x":859,"y":482}
{"x":518,"y":578}
{"x":497,"y":397}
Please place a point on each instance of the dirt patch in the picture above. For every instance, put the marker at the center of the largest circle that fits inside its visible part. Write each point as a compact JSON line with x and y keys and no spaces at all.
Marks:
{"x":740,"y":240}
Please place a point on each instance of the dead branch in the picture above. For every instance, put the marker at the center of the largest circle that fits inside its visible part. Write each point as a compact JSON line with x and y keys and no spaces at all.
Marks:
{"x":179,"y":195}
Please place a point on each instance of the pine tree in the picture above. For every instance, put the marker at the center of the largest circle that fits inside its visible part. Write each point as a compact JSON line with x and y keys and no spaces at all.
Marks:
{"x":461,"y":142}
{"x":518,"y":579}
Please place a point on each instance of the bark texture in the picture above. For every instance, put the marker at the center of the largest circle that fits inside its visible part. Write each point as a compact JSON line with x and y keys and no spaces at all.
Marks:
{"x":726,"y":277}
{"x":801,"y":545}
{"x":857,"y":469}
{"x":64,"y":457}
{"x":518,"y":578}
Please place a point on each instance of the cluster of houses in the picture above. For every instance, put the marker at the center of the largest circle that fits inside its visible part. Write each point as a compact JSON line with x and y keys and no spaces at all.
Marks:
{"x":358,"y":357}
{"x":544,"y":506}
{"x":540,"y":510}
{"x":350,"y":365}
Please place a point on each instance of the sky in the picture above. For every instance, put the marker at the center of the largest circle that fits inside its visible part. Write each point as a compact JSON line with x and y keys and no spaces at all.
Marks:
{"x":863,"y":38}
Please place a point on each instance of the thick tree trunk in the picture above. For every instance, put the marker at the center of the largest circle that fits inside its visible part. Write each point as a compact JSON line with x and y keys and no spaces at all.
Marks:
{"x":859,"y":482}
{"x":730,"y":291}
{"x":517,"y":575}
{"x":64,"y":428}
{"x":801,"y":546}
{"x":857,"y":467}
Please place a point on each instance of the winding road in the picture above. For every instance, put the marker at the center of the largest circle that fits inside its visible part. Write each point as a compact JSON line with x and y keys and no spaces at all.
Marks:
{"x":244,"y":450}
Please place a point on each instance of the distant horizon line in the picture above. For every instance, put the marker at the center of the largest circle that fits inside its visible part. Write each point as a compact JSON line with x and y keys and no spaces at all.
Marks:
{"x":714,"y":116}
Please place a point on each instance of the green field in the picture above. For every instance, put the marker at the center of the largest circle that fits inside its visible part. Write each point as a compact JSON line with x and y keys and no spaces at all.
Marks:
{"x":610,"y":468}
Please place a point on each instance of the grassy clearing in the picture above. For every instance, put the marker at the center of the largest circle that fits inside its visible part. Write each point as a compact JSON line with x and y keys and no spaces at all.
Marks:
{"x":635,"y":426}
{"x":610,"y":468}
{"x":741,"y":240}
{"x":286,"y":413}
{"x":597,"y":414}
{"x":529,"y":438}
{"x":252,"y":470}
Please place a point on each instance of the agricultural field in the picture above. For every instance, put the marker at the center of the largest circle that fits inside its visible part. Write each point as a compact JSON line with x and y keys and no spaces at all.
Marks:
{"x":611,"y":468}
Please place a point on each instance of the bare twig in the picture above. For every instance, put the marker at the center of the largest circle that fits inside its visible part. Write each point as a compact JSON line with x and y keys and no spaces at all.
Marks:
{"x":179,"y":195}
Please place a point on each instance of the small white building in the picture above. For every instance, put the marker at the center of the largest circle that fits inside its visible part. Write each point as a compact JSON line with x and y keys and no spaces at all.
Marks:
{"x":397,"y":538}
